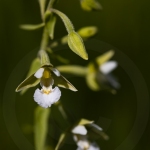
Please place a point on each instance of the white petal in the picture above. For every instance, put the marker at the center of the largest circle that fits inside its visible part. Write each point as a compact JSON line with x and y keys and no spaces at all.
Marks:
{"x":56,"y":72}
{"x":45,"y":100}
{"x":39,"y":73}
{"x":93,"y":146}
{"x":83,"y":144}
{"x":79,"y":130}
{"x":108,"y":67}
{"x":55,"y":95}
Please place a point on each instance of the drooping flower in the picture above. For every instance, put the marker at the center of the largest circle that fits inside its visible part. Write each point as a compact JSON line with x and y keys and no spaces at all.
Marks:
{"x":99,"y":76}
{"x":81,"y":138}
{"x":98,"y":73}
{"x":47,"y":76}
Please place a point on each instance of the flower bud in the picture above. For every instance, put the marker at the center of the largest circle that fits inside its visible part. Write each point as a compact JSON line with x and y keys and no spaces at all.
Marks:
{"x":76,"y":45}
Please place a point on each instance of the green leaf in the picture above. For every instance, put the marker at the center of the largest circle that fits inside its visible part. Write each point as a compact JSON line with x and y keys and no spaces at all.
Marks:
{"x":32,"y":26}
{"x":89,"y":5}
{"x":63,"y":82}
{"x":76,"y":44}
{"x":61,"y":140}
{"x":84,"y":122}
{"x":41,"y":127}
{"x":105,"y":57}
{"x":50,"y":20}
{"x":87,"y":32}
{"x":73,"y":69}
{"x":31,"y":81}
{"x":42,"y":4}
{"x":35,"y":65}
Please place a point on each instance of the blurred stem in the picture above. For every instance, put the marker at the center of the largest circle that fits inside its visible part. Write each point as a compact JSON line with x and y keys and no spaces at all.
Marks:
{"x":65,"y":19}
{"x":73,"y":69}
{"x":50,"y":5}
{"x":62,"y":111}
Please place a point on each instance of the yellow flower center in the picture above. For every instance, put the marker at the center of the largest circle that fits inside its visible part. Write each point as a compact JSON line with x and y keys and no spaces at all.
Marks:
{"x":46,"y":91}
{"x":46,"y":73}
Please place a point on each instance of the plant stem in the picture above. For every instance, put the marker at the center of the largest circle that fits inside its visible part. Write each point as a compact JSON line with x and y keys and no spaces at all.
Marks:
{"x":65,"y":19}
{"x":50,"y":5}
{"x":44,"y":41}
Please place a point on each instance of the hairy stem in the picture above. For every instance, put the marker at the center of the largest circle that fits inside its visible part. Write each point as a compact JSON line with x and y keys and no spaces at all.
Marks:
{"x":50,"y":5}
{"x":44,"y":41}
{"x":65,"y":19}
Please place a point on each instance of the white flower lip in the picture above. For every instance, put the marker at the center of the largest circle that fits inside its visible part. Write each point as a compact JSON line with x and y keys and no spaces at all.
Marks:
{"x":47,"y":96}
{"x":79,"y":130}
{"x":107,"y":67}
{"x":39,"y":73}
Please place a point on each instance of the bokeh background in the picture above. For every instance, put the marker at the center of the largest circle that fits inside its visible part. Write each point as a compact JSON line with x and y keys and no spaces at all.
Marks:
{"x":123,"y":24}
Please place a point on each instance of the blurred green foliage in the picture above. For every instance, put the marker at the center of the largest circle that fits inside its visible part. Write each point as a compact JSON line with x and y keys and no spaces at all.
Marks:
{"x":125,"y":24}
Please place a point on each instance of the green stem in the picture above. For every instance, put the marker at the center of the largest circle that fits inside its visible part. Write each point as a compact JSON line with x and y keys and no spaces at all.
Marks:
{"x":44,"y":41}
{"x":50,"y":5}
{"x":65,"y":19}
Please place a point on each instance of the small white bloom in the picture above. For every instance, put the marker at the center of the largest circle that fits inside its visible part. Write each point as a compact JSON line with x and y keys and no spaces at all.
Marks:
{"x":93,"y":146}
{"x":86,"y":145}
{"x":83,"y":145}
{"x":47,"y":96}
{"x":79,"y":130}
{"x":39,"y":73}
{"x":107,"y":67}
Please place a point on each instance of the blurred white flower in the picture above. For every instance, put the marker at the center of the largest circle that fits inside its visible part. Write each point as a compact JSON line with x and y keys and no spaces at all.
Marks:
{"x":81,"y":139}
{"x":108,"y":67}
{"x":84,"y":144}
{"x":79,"y":130}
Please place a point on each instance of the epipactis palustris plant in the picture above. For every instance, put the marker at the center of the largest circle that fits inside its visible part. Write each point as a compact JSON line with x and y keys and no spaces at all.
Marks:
{"x":50,"y":79}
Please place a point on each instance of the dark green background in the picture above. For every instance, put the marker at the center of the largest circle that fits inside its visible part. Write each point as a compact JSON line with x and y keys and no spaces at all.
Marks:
{"x":125,"y":24}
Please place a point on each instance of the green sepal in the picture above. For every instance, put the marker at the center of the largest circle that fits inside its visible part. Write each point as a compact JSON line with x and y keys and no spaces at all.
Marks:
{"x":61,"y":140}
{"x":91,"y":78}
{"x":50,"y":21}
{"x":35,"y":65}
{"x":84,"y":122}
{"x":63,"y":82}
{"x":87,"y":32}
{"x":89,"y":5}
{"x":73,"y":69}
{"x":31,"y":81}
{"x":32,"y":26}
{"x":91,"y":82}
{"x":76,"y":44}
{"x":98,"y":131}
{"x":44,"y":58}
{"x":40,"y":127}
{"x":105,"y":57}
{"x":42,"y":4}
